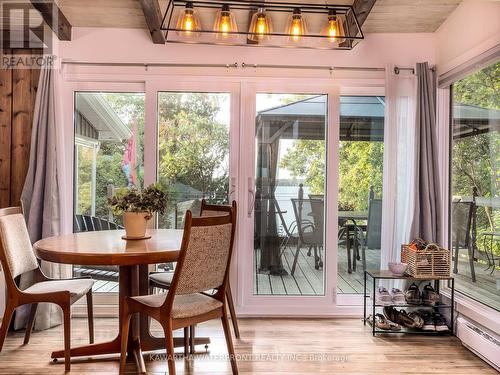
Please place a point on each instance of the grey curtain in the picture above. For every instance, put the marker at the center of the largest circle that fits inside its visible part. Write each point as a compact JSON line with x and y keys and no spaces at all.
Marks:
{"x":426,"y":221}
{"x":41,"y":191}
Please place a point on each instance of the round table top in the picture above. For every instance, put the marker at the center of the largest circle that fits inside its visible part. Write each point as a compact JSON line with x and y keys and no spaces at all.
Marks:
{"x":108,"y":248}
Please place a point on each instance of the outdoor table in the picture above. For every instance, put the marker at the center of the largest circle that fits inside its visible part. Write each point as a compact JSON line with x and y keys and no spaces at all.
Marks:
{"x":132,"y":258}
{"x":488,"y":239}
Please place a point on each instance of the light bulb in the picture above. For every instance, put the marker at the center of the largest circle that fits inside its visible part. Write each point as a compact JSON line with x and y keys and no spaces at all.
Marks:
{"x":334,"y":28}
{"x":225,"y":22}
{"x":260,"y":26}
{"x":188,"y":21}
{"x":224,"y":26}
{"x":297,"y":26}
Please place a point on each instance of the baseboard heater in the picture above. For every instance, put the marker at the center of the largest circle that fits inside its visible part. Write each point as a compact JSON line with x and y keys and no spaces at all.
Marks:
{"x":480,"y":342}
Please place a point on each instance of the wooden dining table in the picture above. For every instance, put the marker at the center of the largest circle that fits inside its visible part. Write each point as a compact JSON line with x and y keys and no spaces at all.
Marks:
{"x":132,"y":257}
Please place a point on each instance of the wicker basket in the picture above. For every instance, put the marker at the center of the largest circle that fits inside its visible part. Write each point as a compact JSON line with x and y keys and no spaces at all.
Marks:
{"x":432,"y":262}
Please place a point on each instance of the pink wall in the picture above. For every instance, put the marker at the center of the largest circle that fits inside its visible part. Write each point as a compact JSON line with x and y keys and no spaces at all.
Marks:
{"x":134,"y":45}
{"x":471,"y":29}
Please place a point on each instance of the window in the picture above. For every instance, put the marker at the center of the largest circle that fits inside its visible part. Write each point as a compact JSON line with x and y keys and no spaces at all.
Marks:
{"x":361,"y":158}
{"x":193,"y":152}
{"x":109,"y":133}
{"x":475,"y":185}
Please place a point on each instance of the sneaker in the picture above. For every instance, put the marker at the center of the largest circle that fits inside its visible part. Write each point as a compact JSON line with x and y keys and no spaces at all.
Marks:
{"x":398,"y":297}
{"x":412,"y":295}
{"x":429,"y":296}
{"x":382,"y":296}
{"x":429,"y":324}
{"x":440,"y":323}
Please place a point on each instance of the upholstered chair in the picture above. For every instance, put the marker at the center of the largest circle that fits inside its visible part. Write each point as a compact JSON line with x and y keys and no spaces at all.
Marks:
{"x":17,"y":258}
{"x":204,"y":261}
{"x":162,"y":280}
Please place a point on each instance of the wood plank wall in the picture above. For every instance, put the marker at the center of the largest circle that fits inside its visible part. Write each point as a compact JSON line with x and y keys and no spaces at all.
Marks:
{"x":17,"y":101}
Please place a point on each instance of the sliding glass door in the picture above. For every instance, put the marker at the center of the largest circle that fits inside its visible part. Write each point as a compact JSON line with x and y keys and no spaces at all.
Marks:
{"x":475,"y":185}
{"x":361,"y":153}
{"x":289,"y":209}
{"x":108,"y":155}
{"x":298,"y":159}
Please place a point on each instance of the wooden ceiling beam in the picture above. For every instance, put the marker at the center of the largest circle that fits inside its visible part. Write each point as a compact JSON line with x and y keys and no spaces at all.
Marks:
{"x":362,"y":9}
{"x":152,"y":14}
{"x":60,"y":26}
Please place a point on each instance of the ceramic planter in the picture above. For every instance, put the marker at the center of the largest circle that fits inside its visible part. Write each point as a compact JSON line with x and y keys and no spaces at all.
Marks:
{"x":135,"y":224}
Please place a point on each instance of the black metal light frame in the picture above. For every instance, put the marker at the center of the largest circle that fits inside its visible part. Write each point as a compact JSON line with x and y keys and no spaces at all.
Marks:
{"x":351,"y":24}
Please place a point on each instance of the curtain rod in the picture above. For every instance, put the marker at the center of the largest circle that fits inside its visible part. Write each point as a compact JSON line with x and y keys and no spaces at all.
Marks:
{"x":397,"y":69}
{"x":233,"y":65}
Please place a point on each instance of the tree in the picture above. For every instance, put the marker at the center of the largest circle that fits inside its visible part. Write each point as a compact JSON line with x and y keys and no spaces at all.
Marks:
{"x":360,"y":168}
{"x":475,"y":162}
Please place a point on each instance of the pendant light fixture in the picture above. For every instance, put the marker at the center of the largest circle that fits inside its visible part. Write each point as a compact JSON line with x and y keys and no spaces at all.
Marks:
{"x":188,"y":22}
{"x":273,"y":23}
{"x":334,"y":27}
{"x":225,"y":23}
{"x":296,"y":25}
{"x":260,"y":25}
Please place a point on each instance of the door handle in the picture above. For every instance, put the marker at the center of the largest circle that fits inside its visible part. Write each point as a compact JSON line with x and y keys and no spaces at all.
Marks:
{"x":251,"y":197}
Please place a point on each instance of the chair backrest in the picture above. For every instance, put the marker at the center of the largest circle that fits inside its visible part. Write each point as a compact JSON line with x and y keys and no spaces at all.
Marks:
{"x":309,"y":215}
{"x":374,"y":224}
{"x":461,"y":220}
{"x":16,"y":253}
{"x":205,"y":254}
{"x":207,"y":210}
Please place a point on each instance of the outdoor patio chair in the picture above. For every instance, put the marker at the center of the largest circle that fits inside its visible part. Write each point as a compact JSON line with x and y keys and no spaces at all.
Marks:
{"x":309,"y":216}
{"x":461,"y":233}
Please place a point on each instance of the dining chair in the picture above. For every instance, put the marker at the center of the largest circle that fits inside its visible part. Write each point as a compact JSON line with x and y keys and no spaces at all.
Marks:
{"x":203,"y":264}
{"x":17,"y":258}
{"x":163,"y":280}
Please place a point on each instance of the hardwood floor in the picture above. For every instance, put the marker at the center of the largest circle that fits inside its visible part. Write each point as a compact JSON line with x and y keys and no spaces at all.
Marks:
{"x":268,"y":346}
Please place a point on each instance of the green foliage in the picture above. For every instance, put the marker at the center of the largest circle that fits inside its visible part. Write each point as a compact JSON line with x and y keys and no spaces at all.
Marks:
{"x":152,"y":199}
{"x":360,"y":167}
{"x":475,"y":162}
{"x":193,"y":145}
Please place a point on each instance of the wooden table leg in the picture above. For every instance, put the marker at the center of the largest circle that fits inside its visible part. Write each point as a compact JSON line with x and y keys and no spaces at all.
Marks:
{"x":128,"y":286}
{"x":133,"y":280}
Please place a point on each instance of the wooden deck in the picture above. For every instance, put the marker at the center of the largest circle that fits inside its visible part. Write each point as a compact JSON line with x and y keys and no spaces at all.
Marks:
{"x":308,"y":281}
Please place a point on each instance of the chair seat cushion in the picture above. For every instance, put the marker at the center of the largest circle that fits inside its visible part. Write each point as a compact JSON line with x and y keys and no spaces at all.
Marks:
{"x":162,"y":278}
{"x":76,"y":287}
{"x":185,"y":305}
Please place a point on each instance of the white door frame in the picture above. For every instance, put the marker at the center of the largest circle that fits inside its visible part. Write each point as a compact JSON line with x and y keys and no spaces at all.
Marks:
{"x":250,"y":304}
{"x":243,"y":90}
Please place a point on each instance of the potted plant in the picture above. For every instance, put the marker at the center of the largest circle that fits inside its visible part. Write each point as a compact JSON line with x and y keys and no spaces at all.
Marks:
{"x":138,"y":207}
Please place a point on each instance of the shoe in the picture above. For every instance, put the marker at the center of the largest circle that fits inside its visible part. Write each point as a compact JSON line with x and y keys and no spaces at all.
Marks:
{"x":440,"y":323}
{"x":418,"y":320}
{"x":429,"y":296}
{"x":399,"y":317}
{"x":429,"y":324}
{"x":398,"y":297}
{"x":412,"y":295}
{"x":382,"y":296}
